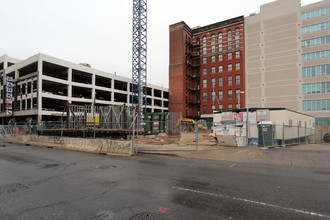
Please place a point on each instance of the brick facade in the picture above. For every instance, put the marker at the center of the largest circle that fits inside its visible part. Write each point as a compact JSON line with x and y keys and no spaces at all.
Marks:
{"x":194,"y":60}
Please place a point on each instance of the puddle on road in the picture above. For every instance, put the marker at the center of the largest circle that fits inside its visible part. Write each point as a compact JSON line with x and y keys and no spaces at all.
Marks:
{"x":51,"y":165}
{"x":322,"y":172}
{"x":106,"y":166}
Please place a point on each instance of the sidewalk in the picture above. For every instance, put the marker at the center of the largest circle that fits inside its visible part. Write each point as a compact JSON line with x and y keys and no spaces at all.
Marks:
{"x":307,"y":155}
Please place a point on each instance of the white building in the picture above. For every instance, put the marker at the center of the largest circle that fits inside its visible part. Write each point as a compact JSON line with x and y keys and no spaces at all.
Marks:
{"x":42,"y":85}
{"x":288,"y":58}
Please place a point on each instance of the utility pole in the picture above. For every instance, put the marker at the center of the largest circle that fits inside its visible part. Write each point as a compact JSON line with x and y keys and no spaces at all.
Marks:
{"x":139,"y":58}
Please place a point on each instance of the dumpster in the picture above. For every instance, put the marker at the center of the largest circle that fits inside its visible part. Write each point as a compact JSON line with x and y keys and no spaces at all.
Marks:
{"x":155,"y":123}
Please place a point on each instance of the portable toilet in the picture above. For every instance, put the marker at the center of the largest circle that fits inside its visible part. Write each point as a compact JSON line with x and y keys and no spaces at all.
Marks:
{"x":266,"y":133}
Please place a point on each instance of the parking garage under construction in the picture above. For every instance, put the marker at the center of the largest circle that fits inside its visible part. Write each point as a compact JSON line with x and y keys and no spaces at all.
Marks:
{"x":45,"y":90}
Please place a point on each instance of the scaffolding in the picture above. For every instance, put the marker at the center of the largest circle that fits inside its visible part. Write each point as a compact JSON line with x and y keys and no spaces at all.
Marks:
{"x":112,"y":117}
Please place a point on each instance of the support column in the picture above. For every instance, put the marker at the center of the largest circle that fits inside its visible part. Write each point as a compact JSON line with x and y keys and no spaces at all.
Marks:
{"x":69,"y":85}
{"x":39,"y":90}
{"x":112,"y":90}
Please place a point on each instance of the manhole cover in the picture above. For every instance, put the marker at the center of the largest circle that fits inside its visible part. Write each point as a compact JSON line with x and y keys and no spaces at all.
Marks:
{"x":106,"y":166}
{"x":148,"y":216}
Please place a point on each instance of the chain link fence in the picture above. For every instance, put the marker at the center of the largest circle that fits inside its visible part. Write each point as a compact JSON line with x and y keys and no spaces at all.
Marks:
{"x":121,"y":124}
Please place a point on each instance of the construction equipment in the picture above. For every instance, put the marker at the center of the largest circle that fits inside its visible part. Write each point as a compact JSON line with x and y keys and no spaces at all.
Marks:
{"x":139,"y":58}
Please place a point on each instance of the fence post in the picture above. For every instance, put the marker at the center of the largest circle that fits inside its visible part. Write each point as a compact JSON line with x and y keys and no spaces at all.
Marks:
{"x":283,"y":135}
{"x":247,"y":127}
{"x":306,"y":139}
{"x":196,"y":128}
{"x":61,"y":128}
{"x":298,"y":134}
{"x":30,"y":128}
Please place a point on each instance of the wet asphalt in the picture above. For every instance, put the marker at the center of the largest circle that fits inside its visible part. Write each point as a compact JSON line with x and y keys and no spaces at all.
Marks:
{"x":47,"y":183}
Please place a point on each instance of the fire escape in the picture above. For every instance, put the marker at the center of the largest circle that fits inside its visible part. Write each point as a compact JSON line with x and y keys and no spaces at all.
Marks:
{"x":192,"y":78}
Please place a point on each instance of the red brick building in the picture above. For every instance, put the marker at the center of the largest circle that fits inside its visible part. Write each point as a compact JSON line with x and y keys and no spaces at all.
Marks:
{"x":206,"y":71}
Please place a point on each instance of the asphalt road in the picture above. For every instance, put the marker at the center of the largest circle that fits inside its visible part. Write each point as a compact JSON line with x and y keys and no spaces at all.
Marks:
{"x":45,"y":183}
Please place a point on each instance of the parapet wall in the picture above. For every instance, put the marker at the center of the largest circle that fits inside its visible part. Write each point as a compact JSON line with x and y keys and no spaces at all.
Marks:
{"x":112,"y":147}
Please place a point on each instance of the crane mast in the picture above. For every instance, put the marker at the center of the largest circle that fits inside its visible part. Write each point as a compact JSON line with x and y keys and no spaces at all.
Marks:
{"x":139,"y":58}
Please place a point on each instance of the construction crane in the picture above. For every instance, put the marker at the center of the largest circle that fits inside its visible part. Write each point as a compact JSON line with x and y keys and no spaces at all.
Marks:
{"x":139,"y":58}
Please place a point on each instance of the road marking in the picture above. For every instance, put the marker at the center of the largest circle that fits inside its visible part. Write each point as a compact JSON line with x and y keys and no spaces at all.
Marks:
{"x":232,"y":165}
{"x":253,"y":202}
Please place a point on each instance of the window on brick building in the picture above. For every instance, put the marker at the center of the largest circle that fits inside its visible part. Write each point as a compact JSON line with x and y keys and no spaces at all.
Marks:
{"x":213,"y":96}
{"x":230,"y":80}
{"x":204,"y":83}
{"x":204,"y":60}
{"x":212,"y":59}
{"x":213,"y":108}
{"x":238,"y":79}
{"x":220,"y":95}
{"x":230,"y":45}
{"x":237,"y":45}
{"x":204,"y":96}
{"x":237,"y":106}
{"x":237,"y":66}
{"x":220,"y":107}
{"x":204,"y":109}
{"x":237,"y":54}
{"x":237,"y":94}
{"x":204,"y":40}
{"x":204,"y":50}
{"x":230,"y":94}
{"x":229,"y":34}
{"x":220,"y":69}
{"x":220,"y":47}
{"x":230,"y":67}
{"x":198,"y":41}
{"x":230,"y":106}
{"x":230,"y":56}
{"x":204,"y":71}
{"x":237,"y":32}
{"x":213,"y":69}
{"x":213,"y":49}
{"x":220,"y":81}
{"x":213,"y":82}
{"x":213,"y":37}
{"x":220,"y":36}
{"x":220,"y":57}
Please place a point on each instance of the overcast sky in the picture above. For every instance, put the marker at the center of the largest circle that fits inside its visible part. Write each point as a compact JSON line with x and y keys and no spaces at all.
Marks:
{"x":99,"y":32}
